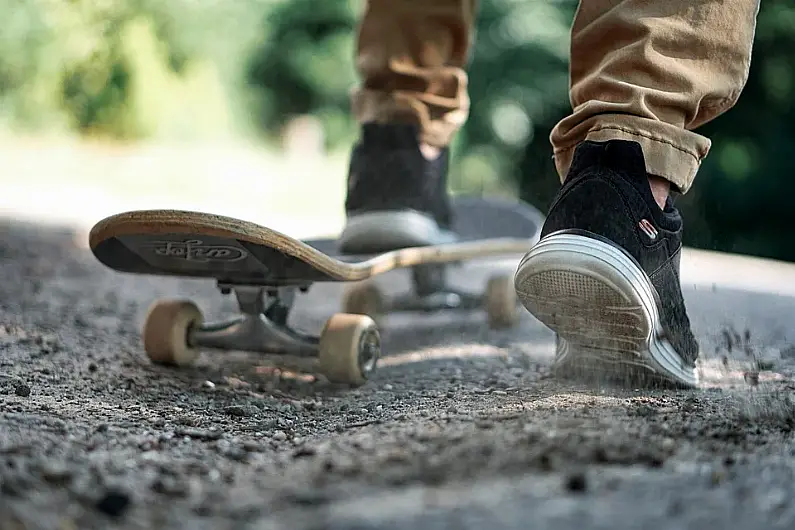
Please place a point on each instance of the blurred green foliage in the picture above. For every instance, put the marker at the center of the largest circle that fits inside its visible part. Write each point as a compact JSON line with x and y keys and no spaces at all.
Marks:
{"x":127,"y":69}
{"x":135,"y":69}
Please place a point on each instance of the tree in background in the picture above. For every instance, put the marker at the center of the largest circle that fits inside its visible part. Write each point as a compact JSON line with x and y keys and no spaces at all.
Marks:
{"x":137,"y":69}
{"x":123,"y":69}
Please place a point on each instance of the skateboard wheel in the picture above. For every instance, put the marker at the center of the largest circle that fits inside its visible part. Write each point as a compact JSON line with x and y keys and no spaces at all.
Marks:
{"x":363,"y":298}
{"x":501,"y":302}
{"x":165,"y":332}
{"x":350,"y":346}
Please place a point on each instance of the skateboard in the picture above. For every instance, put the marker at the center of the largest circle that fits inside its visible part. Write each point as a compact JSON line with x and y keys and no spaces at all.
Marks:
{"x":266,"y":270}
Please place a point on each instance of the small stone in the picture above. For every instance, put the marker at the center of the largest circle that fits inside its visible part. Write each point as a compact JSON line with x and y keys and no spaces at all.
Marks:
{"x":388,"y":387}
{"x":303,"y":451}
{"x":238,"y":411}
{"x":279,"y":436}
{"x":200,"y":434}
{"x":208,"y":384}
{"x":113,"y":503}
{"x":236,"y":382}
{"x":170,"y":486}
{"x":56,"y":474}
{"x":22,"y":390}
{"x":576,"y":483}
{"x":238,"y":454}
{"x":254,"y":447}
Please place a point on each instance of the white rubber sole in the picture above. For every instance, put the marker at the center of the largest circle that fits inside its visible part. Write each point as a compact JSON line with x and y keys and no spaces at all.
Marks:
{"x":376,"y":231}
{"x":602,"y":307}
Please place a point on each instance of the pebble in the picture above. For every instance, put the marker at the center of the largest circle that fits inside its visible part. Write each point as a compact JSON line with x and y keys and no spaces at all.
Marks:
{"x":238,"y":410}
{"x":22,"y":390}
{"x":170,"y":486}
{"x":576,"y":482}
{"x":199,"y":434}
{"x":279,"y":436}
{"x":56,"y":474}
{"x":113,"y":503}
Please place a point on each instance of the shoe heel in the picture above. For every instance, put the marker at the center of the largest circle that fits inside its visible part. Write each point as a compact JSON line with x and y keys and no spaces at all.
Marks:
{"x":602,"y":307}
{"x":587,"y":291}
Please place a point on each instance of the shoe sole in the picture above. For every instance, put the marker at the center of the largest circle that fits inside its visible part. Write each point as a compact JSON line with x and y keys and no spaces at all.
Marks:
{"x":602,"y":306}
{"x":383,"y":231}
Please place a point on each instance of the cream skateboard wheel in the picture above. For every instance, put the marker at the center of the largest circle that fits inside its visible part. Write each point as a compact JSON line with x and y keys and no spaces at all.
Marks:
{"x":349,"y":348}
{"x":165,"y":332}
{"x":500,"y":302}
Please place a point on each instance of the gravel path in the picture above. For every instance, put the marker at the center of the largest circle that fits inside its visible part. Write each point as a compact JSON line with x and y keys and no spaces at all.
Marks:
{"x":460,"y":428}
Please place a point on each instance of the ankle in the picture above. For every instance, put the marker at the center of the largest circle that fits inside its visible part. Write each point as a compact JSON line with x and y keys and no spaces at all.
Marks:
{"x":430,"y":152}
{"x":660,"y":188}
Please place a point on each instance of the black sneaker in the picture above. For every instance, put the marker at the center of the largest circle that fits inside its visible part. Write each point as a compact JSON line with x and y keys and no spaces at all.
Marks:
{"x":396,"y":197}
{"x":605,"y":274}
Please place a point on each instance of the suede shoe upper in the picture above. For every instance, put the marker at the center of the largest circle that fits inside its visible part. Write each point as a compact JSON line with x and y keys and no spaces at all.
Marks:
{"x":606,"y":195}
{"x":388,"y":172}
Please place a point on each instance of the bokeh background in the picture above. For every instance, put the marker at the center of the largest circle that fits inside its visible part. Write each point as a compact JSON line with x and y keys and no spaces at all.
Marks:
{"x":241,"y":107}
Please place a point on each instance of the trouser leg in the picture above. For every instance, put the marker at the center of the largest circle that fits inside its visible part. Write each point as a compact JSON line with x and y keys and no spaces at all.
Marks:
{"x":411,"y":56}
{"x":651,"y":71}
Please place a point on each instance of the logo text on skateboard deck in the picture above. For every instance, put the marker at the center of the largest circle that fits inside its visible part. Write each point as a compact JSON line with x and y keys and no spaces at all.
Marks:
{"x":196,"y":250}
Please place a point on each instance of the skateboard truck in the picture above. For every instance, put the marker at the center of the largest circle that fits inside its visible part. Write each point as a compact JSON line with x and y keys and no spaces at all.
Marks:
{"x":347,"y":349}
{"x":432,"y":292}
{"x":262,"y":327}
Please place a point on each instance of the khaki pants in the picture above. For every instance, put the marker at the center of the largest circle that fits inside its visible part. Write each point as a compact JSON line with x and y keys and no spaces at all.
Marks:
{"x":644,"y":70}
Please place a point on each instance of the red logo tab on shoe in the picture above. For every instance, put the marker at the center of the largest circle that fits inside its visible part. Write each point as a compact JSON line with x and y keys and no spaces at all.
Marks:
{"x":648,"y":229}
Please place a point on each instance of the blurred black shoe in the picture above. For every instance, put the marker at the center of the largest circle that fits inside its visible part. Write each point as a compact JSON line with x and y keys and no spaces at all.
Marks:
{"x":605,"y":274}
{"x":396,"y":197}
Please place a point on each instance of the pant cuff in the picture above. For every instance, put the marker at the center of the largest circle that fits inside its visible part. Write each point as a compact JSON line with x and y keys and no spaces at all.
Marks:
{"x":391,"y":107}
{"x":672,"y":153}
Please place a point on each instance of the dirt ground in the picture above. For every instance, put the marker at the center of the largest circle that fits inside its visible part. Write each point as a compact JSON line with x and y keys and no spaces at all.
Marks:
{"x":460,"y":428}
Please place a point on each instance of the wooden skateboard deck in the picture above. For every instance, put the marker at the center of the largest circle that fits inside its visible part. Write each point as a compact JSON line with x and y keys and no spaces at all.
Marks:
{"x":232,"y":251}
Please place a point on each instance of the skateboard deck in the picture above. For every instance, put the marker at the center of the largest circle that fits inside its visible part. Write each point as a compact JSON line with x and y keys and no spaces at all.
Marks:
{"x":232,"y":251}
{"x":265,"y":269}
